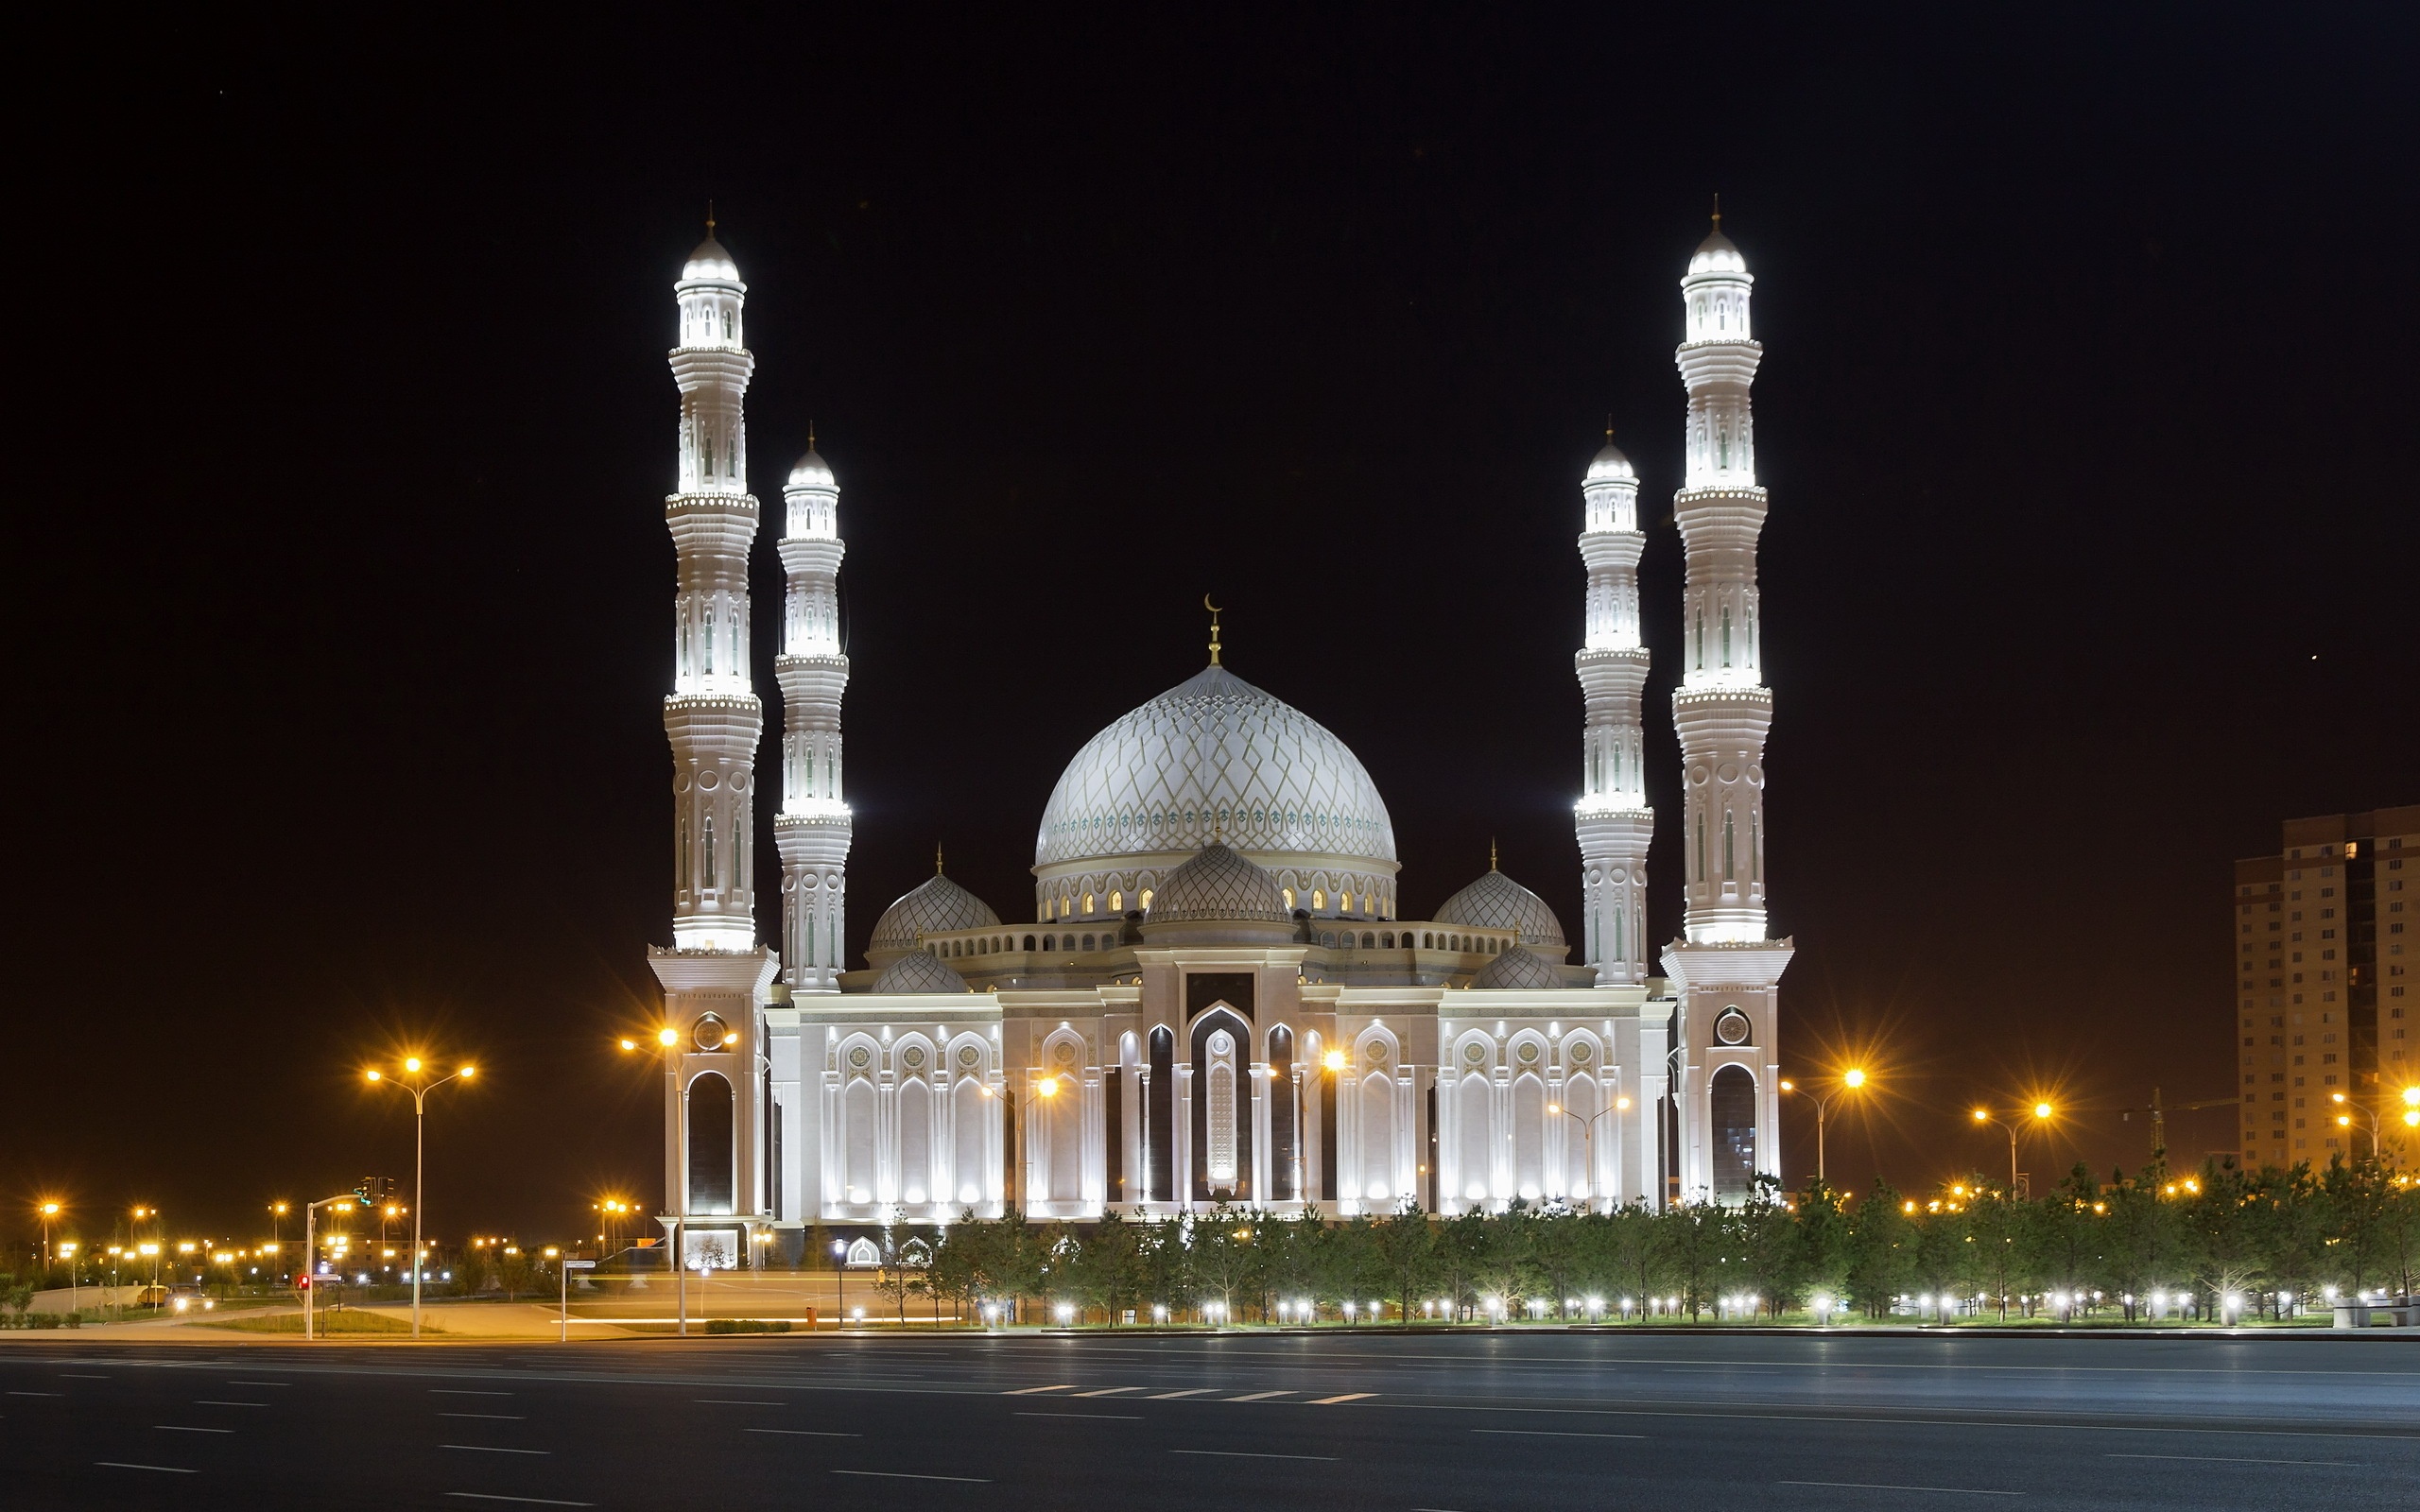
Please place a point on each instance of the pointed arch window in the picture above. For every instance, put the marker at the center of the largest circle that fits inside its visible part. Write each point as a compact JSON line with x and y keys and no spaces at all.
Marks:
{"x":709,"y":867}
{"x":1755,"y":848}
{"x":1726,"y":635}
{"x":1701,"y":848}
{"x":1727,"y":866}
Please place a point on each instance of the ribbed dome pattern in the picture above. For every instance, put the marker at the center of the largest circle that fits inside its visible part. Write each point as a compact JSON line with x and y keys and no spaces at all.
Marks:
{"x":1214,"y":758}
{"x":936,"y":903}
{"x":1515,"y":968}
{"x":1497,"y":901}
{"x":920,"y":971}
{"x":1218,"y":885}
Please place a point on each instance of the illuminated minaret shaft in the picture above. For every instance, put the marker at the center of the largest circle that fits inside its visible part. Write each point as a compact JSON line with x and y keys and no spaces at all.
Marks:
{"x":813,"y":828}
{"x":1725,"y":969}
{"x":713,"y":717}
{"x":1613,"y":821}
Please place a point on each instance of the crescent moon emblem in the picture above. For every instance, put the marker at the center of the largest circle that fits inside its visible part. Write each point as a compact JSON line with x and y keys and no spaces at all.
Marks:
{"x":1206,"y":604}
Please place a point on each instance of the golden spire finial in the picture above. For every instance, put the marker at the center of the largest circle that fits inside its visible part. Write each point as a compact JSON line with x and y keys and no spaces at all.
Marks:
{"x":1609,"y":428}
{"x":936,"y":858}
{"x":1491,"y":852}
{"x":710,"y":219}
{"x":1717,"y":211}
{"x":810,"y":433}
{"x":1214,"y":627}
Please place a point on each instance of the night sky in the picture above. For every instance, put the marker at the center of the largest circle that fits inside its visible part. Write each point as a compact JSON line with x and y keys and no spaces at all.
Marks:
{"x":340,"y":623}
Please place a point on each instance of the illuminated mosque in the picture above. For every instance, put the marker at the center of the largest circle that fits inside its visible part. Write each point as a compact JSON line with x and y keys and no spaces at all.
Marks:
{"x":1214,"y":998}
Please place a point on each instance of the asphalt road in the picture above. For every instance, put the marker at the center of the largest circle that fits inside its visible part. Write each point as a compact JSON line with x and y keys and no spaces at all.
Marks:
{"x":1477,"y":1422}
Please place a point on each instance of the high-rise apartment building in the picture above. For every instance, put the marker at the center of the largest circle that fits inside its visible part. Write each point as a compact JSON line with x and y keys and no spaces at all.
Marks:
{"x":2323,"y":985}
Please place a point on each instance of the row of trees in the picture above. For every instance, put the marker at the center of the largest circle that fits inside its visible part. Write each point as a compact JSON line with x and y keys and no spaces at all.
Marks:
{"x":2224,"y":1241}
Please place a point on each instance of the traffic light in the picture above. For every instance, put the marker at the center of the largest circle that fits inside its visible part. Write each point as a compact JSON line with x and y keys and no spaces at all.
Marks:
{"x":375,"y":1190}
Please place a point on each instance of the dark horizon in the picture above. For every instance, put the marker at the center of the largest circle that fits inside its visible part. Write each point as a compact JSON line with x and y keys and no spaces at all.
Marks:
{"x":344,"y":635}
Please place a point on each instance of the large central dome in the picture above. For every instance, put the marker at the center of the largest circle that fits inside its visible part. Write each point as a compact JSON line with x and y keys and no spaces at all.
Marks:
{"x":1214,"y":758}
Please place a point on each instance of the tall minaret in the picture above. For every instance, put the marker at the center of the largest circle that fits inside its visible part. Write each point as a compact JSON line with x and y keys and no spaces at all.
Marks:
{"x":1725,"y":969}
{"x":713,"y":716}
{"x":1612,"y":816}
{"x":813,"y":827}
{"x":719,"y":1152}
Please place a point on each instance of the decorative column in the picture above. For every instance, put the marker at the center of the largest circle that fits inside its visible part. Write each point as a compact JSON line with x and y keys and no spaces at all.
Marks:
{"x":813,"y":828}
{"x":1725,"y":968}
{"x":716,"y":979}
{"x":1612,"y":816}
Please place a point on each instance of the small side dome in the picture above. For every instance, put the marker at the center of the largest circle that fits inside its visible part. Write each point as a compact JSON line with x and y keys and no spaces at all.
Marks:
{"x":710,"y":264}
{"x":1717,"y":255}
{"x":935,"y":903}
{"x":919,"y":971}
{"x":1497,"y":901}
{"x":813,"y":473}
{"x":1611,"y":466}
{"x":1218,"y":884}
{"x":1513,"y":969}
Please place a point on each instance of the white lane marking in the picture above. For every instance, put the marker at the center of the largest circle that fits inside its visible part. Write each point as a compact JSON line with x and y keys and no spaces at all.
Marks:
{"x":1033,"y":1390}
{"x":1246,"y":1454}
{"x":1171,"y":1396}
{"x":455,"y":1391}
{"x":490,"y":1417}
{"x":903,"y":1475}
{"x":36,"y":1392}
{"x":1877,"y":1486}
{"x":2067,"y":1425}
{"x":491,"y":1449}
{"x":164,"y":1469}
{"x":64,"y":1375}
{"x":180,"y":1428}
{"x":1256,"y":1396}
{"x":802,"y":1433}
{"x":1104,"y":1416}
{"x":1330,"y":1402}
{"x":735,"y":1401}
{"x":526,"y":1501}
{"x":204,"y":1401}
{"x":259,"y":1382}
{"x":1549,"y":1432}
{"x":2229,"y":1459}
{"x":1107,"y":1391}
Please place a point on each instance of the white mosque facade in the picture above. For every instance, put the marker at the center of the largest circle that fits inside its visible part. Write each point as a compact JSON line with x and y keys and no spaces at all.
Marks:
{"x":1215,"y":999}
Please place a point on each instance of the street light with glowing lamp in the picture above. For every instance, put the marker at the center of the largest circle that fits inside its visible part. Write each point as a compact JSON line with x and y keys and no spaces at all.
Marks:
{"x":48,"y":1211}
{"x":1588,"y":1137}
{"x":420,"y":1089}
{"x":1850,"y":1080}
{"x":2042,"y":1113}
{"x":1331,"y":1064}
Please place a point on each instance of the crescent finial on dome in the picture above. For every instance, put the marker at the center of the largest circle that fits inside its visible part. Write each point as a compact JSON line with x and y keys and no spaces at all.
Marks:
{"x":1214,"y":627}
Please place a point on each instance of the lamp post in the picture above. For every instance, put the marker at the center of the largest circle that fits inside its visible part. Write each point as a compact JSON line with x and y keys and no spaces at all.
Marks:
{"x":2042,"y":1113}
{"x":676,"y":1194}
{"x":50,"y":1210}
{"x":420,"y":1092}
{"x":1851,"y":1081}
{"x":1330,"y":1064}
{"x":1588,"y":1136}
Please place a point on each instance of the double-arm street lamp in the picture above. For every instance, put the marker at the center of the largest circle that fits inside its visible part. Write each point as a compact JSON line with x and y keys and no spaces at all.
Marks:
{"x":2346,"y":1107}
{"x":420,"y":1087}
{"x":665,"y":1043}
{"x":2041,"y":1113}
{"x":1850,"y":1080}
{"x":1589,"y":1138}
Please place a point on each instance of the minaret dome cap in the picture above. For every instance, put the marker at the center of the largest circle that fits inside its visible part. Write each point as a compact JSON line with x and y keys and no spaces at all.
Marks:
{"x":812,"y":472}
{"x":1611,"y":466}
{"x":1716,"y":255}
{"x":710,"y":264}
